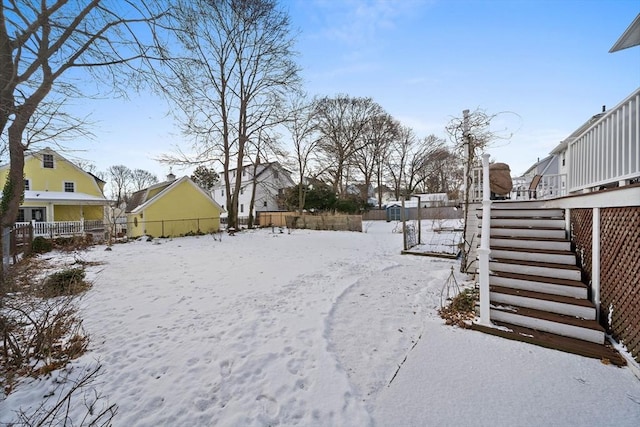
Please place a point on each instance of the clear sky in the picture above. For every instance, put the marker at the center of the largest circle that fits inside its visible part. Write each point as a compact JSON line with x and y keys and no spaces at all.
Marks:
{"x":424,"y":61}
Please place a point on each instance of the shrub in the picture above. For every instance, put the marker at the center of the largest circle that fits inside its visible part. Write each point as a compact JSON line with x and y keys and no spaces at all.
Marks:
{"x":66,"y":282}
{"x":73,"y":243}
{"x":462,"y":309}
{"x":40,"y":245}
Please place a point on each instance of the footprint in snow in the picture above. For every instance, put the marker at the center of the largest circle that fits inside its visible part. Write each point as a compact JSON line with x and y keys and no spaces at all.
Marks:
{"x":270,"y":406}
{"x":225,"y":368}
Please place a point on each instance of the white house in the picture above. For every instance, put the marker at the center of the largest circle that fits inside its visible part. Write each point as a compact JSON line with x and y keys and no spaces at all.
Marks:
{"x":270,"y":181}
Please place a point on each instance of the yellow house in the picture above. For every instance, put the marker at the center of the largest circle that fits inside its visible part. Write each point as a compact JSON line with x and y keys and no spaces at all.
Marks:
{"x":172,"y":208}
{"x":58,"y":190}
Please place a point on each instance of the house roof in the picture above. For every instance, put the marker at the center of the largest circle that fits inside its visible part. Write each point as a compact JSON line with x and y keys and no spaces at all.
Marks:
{"x":544,"y":162}
{"x":60,"y":197}
{"x":630,"y":37}
{"x":141,"y":196}
{"x":140,"y":200}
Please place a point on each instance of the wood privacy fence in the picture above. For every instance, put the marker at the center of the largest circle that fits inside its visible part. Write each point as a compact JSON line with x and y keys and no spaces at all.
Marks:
{"x":619,"y":268}
{"x":273,"y":219}
{"x":20,"y":241}
{"x":16,"y":243}
{"x":430,"y":212}
{"x":310,"y":221}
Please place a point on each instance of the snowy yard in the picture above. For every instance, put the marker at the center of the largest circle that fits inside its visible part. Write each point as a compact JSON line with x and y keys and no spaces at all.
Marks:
{"x":308,"y":329}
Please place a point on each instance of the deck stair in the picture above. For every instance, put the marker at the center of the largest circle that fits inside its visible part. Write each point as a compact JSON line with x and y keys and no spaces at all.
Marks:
{"x":536,"y":289}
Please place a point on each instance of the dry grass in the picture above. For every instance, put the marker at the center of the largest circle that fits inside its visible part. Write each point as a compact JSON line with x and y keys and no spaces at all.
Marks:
{"x":39,"y":323}
{"x":461,"y":311}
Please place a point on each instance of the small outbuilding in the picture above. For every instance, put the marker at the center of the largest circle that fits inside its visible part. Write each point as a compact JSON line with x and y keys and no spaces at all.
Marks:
{"x":172,"y":208}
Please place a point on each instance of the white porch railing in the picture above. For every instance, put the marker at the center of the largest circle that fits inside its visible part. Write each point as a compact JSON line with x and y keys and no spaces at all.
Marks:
{"x":62,"y":228}
{"x":608,"y":151}
{"x":549,"y":187}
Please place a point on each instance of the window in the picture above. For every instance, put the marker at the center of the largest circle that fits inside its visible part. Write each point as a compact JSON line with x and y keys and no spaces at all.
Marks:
{"x":264,"y":204}
{"x":37,"y":214}
{"x":241,"y":208}
{"x":234,"y":173}
{"x":241,"y":190}
{"x":244,"y":172}
{"x":47,"y":161}
{"x":69,"y":187}
{"x":27,"y":185}
{"x":222,"y":193}
{"x":275,"y":174}
{"x":20,"y":215}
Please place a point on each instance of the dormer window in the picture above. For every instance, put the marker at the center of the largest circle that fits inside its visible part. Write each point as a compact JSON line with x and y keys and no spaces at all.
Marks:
{"x":69,"y":187}
{"x":47,"y":161}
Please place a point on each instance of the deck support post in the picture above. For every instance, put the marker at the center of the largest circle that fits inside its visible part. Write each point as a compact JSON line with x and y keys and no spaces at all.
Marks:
{"x":595,"y":261}
{"x":485,"y":250}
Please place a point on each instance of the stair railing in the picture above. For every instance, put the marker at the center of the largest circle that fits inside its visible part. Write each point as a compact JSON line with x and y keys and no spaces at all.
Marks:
{"x":485,"y":250}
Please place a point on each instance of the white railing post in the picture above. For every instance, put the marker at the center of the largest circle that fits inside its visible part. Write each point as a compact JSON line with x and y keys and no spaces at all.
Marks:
{"x":595,"y":261}
{"x":485,"y":250}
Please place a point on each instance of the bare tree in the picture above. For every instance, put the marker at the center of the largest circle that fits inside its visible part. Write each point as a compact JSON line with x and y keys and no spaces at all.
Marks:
{"x":40,"y":44}
{"x":471,"y":134}
{"x":266,"y":145}
{"x":90,"y":167}
{"x":121,"y":179}
{"x":443,"y":173}
{"x":301,"y":128}
{"x":397,"y":158}
{"x":142,"y":179}
{"x":423,"y":163}
{"x":378,"y":135}
{"x":341,"y":123}
{"x":238,"y":66}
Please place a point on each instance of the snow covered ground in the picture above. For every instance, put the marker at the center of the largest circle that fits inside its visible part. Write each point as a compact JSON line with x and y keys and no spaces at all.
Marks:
{"x":309,"y":329}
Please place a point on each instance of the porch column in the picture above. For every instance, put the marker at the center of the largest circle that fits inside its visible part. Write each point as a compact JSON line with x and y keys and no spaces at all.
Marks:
{"x":484,"y":250}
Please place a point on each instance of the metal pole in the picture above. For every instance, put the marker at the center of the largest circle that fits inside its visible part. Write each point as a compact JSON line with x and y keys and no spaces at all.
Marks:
{"x":419,"y":222}
{"x":404,"y":225}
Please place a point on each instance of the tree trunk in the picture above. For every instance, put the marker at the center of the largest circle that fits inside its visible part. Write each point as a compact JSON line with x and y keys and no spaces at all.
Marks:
{"x":254,"y":185}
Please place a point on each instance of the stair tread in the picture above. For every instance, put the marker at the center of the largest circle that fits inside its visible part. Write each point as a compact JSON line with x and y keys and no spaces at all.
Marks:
{"x":553,"y":341}
{"x":548,"y":316}
{"x":532,"y":250}
{"x":536,"y":264}
{"x":528,"y":208}
{"x":525,"y":227}
{"x":530,"y":239}
{"x":551,"y":218}
{"x":542,"y":296}
{"x":543,"y":279}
